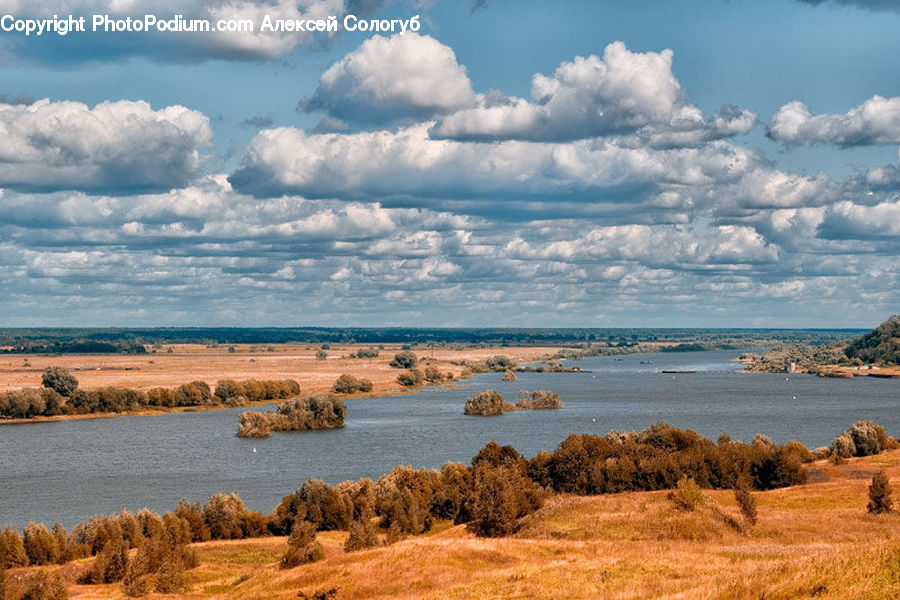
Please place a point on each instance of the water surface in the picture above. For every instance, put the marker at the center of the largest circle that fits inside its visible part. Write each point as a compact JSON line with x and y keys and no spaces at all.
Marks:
{"x":70,"y":470}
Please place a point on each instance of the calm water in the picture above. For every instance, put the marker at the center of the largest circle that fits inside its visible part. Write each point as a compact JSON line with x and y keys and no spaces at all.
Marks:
{"x":70,"y":470}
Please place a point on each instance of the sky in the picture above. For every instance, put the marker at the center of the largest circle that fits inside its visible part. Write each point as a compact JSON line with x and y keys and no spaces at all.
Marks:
{"x":641,"y":163}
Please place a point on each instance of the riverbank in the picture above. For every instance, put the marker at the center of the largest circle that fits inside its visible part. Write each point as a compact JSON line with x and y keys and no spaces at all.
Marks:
{"x":171,"y":366}
{"x":813,"y":540}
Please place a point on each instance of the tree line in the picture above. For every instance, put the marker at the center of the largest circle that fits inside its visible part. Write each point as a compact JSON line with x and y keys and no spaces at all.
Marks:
{"x":490,"y":496}
{"x":60,"y":395}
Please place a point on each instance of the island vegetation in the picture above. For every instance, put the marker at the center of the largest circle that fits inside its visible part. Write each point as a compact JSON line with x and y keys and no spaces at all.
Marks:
{"x":489,"y":402}
{"x":316,"y":411}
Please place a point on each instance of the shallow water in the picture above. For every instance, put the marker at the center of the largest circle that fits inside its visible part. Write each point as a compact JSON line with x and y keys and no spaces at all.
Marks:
{"x":70,"y":470}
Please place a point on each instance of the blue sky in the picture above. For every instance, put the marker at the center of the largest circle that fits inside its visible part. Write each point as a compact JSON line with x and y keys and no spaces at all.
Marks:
{"x":644,"y":163}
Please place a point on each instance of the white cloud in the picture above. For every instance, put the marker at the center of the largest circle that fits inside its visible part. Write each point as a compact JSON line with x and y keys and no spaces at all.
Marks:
{"x":847,"y":220}
{"x":875,"y":121}
{"x":622,"y":92}
{"x":386,"y":79}
{"x":113,"y":146}
{"x":408,"y":161}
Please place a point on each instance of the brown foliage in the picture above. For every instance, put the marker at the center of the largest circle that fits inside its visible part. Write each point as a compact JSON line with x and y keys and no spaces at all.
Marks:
{"x":880,"y":494}
{"x":348,"y":384}
{"x":485,"y":403}
{"x":12,"y":550}
{"x":40,"y":545}
{"x":316,"y":502}
{"x":316,"y":411}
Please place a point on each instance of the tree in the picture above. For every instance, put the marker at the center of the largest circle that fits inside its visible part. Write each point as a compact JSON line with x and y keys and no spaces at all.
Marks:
{"x":880,"y":494}
{"x":60,"y":380}
{"x":404,"y":360}
{"x":485,"y":403}
{"x":747,"y":504}
{"x":12,"y":550}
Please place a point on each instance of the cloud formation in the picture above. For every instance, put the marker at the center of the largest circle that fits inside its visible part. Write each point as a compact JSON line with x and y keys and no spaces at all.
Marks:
{"x":403,"y":77}
{"x":409,"y":162}
{"x":875,"y":121}
{"x":122,"y":146}
{"x":622,"y":92}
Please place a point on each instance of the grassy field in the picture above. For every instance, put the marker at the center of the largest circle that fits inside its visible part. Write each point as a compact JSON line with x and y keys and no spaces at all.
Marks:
{"x":811,"y":541}
{"x":190,"y":362}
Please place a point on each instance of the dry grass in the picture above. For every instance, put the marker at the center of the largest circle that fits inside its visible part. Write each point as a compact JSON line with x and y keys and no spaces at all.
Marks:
{"x":189,"y":362}
{"x":812,"y":541}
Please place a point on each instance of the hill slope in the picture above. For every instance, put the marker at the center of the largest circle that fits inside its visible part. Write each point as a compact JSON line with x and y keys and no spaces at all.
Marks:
{"x":881,"y":345}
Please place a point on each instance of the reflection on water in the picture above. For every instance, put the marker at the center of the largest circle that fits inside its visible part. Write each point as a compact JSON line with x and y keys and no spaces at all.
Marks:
{"x":70,"y":470}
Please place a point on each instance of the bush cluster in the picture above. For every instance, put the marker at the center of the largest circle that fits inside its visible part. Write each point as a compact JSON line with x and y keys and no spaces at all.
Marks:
{"x":365,"y":353}
{"x":410,"y":378}
{"x":316,"y":411}
{"x":404,"y":360}
{"x":485,"y":403}
{"x":656,"y":458}
{"x":863,"y":438}
{"x":60,"y":395}
{"x":538,"y":400}
{"x":348,"y":384}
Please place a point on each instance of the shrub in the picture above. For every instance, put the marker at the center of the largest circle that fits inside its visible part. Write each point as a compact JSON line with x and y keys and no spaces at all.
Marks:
{"x":171,"y":578}
{"x":321,"y":355}
{"x":228,"y":519}
{"x":63,"y":544}
{"x":12,"y":550}
{"x":44,"y":587}
{"x":404,"y":360}
{"x":538,"y":400}
{"x":747,"y":504}
{"x":40,"y":545}
{"x":453,"y":486}
{"x":195,"y":393}
{"x":843,"y":446}
{"x":315,"y":502}
{"x":410,"y":378}
{"x":868,"y":437}
{"x":403,"y":498}
{"x":433,"y":375}
{"x":59,"y":380}
{"x":485,"y":403}
{"x":302,"y":546}
{"x":880,"y":494}
{"x":366,"y":353}
{"x":687,"y":495}
{"x":500,"y":363}
{"x":500,"y":496}
{"x":316,"y":411}
{"x":509,"y":375}
{"x":348,"y":384}
{"x":362,"y":535}
{"x":192,"y":513}
{"x":110,"y":564}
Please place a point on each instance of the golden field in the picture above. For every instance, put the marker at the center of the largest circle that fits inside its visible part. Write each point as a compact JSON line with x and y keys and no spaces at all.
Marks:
{"x":811,"y":541}
{"x":191,"y":362}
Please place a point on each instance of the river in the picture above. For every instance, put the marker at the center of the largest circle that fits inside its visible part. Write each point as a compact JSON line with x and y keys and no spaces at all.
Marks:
{"x":70,"y":470}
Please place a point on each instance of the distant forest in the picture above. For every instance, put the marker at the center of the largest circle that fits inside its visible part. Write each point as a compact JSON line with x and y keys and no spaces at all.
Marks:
{"x":133,"y":341}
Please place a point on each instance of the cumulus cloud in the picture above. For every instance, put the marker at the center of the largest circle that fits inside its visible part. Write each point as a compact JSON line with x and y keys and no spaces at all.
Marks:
{"x":410,"y":162}
{"x":622,"y":92}
{"x":875,"y":121}
{"x":124,"y":146}
{"x":406,"y":76}
{"x":847,"y":220}
{"x":246,"y":45}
